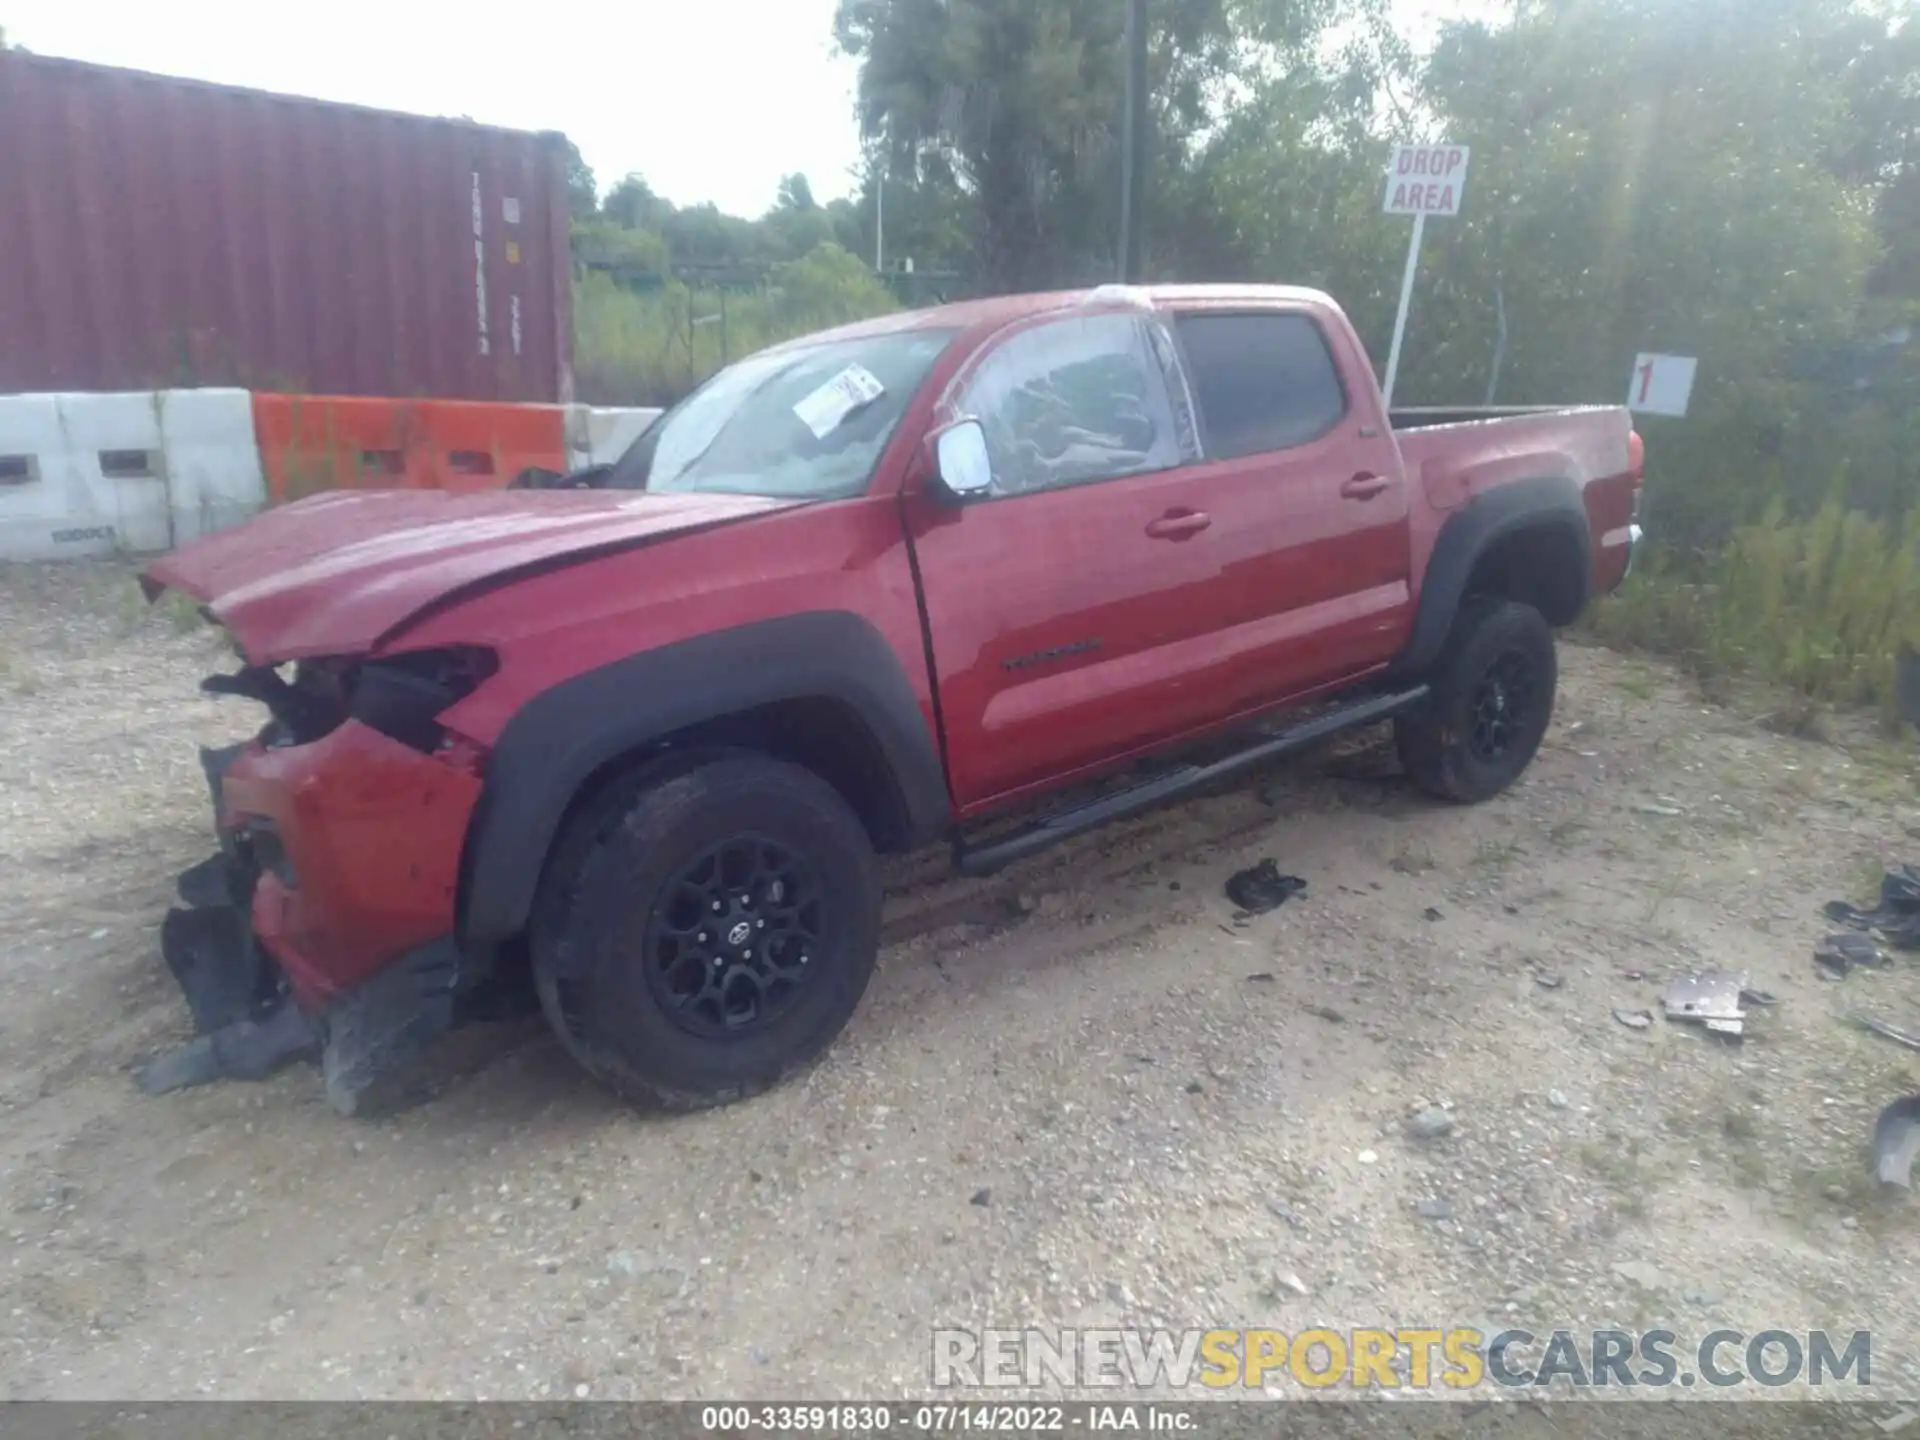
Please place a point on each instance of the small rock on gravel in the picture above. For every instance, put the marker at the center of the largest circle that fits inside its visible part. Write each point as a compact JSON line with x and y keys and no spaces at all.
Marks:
{"x":1558,"y":1100}
{"x":1435,"y":1209}
{"x":1287,"y":1213}
{"x":1287,"y":1280}
{"x":1430,"y":1124}
{"x":1643,"y":1273}
{"x":982,"y":1197}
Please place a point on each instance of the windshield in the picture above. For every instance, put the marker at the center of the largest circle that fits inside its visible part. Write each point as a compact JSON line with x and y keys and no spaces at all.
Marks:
{"x":798,"y":424}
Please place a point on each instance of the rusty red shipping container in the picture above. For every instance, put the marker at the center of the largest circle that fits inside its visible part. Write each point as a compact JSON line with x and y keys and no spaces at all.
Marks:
{"x":158,"y":232}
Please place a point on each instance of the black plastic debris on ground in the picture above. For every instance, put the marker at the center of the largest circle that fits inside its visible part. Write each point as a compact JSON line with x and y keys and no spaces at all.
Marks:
{"x":1262,"y":887}
{"x":1896,"y":919}
{"x":1838,"y":954}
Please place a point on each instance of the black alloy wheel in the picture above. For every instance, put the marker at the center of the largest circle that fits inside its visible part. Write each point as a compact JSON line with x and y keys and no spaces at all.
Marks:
{"x":732,"y":938}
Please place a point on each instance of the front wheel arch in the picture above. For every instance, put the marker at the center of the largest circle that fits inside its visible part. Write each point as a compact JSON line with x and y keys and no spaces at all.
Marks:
{"x":740,"y":687}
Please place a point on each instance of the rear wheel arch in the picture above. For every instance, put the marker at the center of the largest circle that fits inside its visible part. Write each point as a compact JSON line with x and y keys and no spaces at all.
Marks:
{"x":1528,"y":541}
{"x":821,"y":690}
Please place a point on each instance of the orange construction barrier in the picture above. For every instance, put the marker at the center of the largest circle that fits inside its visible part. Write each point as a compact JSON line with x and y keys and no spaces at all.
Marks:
{"x":310,"y":443}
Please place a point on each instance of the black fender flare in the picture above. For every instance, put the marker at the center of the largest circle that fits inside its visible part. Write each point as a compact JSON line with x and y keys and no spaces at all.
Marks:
{"x":560,"y":738}
{"x":1545,"y":502}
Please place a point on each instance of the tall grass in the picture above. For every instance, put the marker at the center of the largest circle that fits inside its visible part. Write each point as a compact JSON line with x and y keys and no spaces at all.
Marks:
{"x":1822,"y":606}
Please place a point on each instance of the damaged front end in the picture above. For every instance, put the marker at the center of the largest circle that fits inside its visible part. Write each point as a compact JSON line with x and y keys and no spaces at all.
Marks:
{"x":249,"y":1025}
{"x":323,"y":927}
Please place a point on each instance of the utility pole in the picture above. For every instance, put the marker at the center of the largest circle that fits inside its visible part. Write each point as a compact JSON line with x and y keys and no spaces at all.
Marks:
{"x":1133,"y":145}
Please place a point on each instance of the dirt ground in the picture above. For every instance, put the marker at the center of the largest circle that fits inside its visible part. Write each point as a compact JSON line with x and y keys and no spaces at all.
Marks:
{"x":1078,"y":1094}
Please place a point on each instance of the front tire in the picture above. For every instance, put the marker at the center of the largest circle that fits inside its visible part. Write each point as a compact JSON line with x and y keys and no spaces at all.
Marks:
{"x":709,"y":933}
{"x":1493,"y":692}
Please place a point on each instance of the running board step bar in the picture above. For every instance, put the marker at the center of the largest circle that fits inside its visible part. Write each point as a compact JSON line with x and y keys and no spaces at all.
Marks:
{"x":995,"y":855}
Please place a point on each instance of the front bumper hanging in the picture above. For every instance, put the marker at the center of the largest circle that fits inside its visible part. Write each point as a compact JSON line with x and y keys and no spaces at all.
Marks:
{"x":250,"y":1024}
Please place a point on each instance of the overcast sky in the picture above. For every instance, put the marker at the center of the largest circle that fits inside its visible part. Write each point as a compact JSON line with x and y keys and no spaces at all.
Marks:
{"x":709,"y":99}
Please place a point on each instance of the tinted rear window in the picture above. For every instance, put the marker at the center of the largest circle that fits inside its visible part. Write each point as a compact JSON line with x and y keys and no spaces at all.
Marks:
{"x":1264,"y":382}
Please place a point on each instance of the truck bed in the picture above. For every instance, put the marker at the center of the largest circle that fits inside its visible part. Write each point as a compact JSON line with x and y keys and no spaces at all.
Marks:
{"x":1454,"y":455}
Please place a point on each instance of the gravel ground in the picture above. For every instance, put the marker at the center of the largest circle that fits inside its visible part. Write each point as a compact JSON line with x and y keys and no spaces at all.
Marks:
{"x":1078,"y":1094}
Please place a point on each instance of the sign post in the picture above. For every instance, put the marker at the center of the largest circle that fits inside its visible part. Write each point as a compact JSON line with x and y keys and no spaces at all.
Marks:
{"x":1423,"y":180}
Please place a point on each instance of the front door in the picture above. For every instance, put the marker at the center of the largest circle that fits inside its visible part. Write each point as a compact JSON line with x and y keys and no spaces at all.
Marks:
{"x":1069,"y":609}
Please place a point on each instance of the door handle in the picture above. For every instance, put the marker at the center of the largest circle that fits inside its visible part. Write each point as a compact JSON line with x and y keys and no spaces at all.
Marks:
{"x":1364,"y":486}
{"x":1178,"y":524}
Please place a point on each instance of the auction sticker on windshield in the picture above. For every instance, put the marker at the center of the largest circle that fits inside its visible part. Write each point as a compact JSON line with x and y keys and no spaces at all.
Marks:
{"x":823,"y":410}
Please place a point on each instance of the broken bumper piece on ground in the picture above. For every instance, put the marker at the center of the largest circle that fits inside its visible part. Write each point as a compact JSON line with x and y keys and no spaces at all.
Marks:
{"x":250,"y":1026}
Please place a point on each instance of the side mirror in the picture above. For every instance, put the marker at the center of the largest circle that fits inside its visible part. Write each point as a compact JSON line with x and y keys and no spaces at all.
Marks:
{"x":961,"y":461}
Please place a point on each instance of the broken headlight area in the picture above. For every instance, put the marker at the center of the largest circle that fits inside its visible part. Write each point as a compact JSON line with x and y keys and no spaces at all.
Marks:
{"x":401,"y":696}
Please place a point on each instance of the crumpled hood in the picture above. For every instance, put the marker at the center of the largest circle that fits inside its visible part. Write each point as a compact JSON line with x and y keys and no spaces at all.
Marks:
{"x":334,"y":574}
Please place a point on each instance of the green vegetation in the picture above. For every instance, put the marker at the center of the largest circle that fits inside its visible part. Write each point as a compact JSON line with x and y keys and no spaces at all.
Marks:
{"x":1822,"y":605}
{"x":651,"y":347}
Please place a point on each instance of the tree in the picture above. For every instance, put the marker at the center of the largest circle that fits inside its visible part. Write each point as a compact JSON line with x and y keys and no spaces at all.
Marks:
{"x":827,"y":286}
{"x":583,"y":195}
{"x":1641,"y":168}
{"x":633,"y":204}
{"x":930,"y":220}
{"x":631,"y":254}
{"x":1020,"y":101}
{"x":703,"y":235}
{"x":795,"y":194}
{"x":1693,"y":176}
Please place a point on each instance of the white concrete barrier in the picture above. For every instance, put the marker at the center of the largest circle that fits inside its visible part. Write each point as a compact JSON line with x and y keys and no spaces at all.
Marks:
{"x":214,"y":477}
{"x":600,"y":434}
{"x":48,"y":510}
{"x":116,"y":467}
{"x":91,"y":474}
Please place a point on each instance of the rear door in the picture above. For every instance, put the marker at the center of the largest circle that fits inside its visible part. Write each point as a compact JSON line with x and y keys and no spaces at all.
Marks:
{"x":1068,"y":610}
{"x":1318,"y":591}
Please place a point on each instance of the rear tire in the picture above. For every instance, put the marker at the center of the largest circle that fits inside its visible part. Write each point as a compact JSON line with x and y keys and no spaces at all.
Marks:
{"x":1493,"y":693}
{"x":706,"y":933}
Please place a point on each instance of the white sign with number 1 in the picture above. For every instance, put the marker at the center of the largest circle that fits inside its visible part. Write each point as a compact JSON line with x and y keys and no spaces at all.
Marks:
{"x":1661,"y":384}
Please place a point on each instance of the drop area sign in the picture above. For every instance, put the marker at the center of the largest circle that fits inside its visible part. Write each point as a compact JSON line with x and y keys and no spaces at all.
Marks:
{"x":1422,"y":180}
{"x":1427,"y":179}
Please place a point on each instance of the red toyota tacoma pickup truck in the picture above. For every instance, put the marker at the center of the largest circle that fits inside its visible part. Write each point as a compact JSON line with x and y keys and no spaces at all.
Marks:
{"x":628,"y":746}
